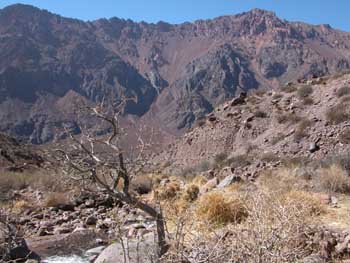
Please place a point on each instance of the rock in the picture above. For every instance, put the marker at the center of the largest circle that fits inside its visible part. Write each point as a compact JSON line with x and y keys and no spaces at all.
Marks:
{"x":231,"y":179}
{"x":334,"y":200}
{"x":66,"y":207}
{"x":95,"y":251}
{"x":62,"y":230}
{"x":324,"y":198}
{"x":313,"y":147}
{"x":343,"y":247}
{"x":142,"y":251}
{"x":239,"y":100}
{"x":211,"y":184}
{"x":42,"y":232}
{"x":90,"y":203}
{"x":22,"y":251}
{"x":91,"y":220}
{"x":314,"y":259}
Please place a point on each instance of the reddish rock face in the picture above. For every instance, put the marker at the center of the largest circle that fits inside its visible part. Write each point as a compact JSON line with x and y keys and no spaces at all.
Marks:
{"x":178,"y":73}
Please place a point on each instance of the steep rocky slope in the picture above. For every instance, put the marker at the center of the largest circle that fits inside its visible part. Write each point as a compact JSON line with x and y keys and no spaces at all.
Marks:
{"x":177,"y":73}
{"x":15,"y":156}
{"x":305,"y":121}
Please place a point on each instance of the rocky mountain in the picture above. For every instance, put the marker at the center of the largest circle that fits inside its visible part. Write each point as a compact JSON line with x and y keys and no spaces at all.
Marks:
{"x":177,"y":73}
{"x":302,"y":122}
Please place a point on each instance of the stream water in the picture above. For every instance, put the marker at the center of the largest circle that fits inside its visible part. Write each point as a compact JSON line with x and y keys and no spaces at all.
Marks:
{"x":67,"y":259}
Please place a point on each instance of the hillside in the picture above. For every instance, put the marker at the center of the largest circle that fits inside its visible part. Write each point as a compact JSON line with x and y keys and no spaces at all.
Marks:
{"x":15,"y":156}
{"x":305,"y":122}
{"x":177,"y":73}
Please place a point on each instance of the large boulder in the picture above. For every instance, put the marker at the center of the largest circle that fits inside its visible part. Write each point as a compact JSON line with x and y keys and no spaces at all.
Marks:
{"x":141,"y":250}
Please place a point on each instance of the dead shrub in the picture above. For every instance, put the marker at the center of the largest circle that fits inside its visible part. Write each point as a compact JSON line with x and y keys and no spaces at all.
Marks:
{"x":199,"y":180}
{"x":142,"y":184}
{"x":272,"y":231}
{"x":301,"y":130}
{"x":304,"y":91}
{"x":276,"y":139}
{"x":37,"y":180}
{"x":277,"y":96}
{"x":55,"y":199}
{"x":344,"y":137}
{"x":269,"y":157}
{"x":168,"y":191}
{"x":189,"y":171}
{"x":334,"y":179}
{"x":259,"y":92}
{"x":219,"y":159}
{"x":20,"y":206}
{"x":218,"y":209}
{"x":288,"y":118}
{"x":305,"y":201}
{"x":337,"y":114}
{"x":345,"y":99}
{"x":289,"y":88}
{"x":191,"y":193}
{"x":343,"y":91}
{"x":260,"y":114}
{"x":308,"y":101}
{"x":238,"y":161}
{"x":282,"y":180}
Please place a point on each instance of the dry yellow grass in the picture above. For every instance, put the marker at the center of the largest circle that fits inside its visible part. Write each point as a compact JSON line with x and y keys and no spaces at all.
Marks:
{"x":334,"y":179}
{"x":168,"y":191}
{"x":282,"y":180}
{"x":191,"y":193}
{"x":218,"y":209}
{"x":199,"y":180}
{"x":307,"y":203}
{"x":20,"y":206}
{"x":55,"y":199}
{"x":39,"y":180}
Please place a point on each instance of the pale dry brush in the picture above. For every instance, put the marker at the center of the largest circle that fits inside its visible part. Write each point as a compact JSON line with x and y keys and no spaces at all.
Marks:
{"x":275,"y":231}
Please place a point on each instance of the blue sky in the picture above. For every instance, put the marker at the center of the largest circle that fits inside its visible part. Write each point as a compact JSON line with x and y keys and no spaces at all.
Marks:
{"x":333,"y":12}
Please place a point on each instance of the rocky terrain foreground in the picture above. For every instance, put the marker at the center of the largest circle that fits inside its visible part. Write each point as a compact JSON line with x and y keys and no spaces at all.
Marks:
{"x":175,"y":73}
{"x":263,"y":178}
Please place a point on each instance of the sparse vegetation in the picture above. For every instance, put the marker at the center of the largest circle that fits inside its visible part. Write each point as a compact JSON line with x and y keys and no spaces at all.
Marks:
{"x":289,"y":88}
{"x":288,"y":118}
{"x":344,"y":137}
{"x":337,"y":114}
{"x":302,"y":129}
{"x":308,"y":101}
{"x":219,"y":210}
{"x":38,"y":180}
{"x":277,"y":96}
{"x":334,"y":179}
{"x":279,"y":137}
{"x":238,"y":161}
{"x":55,"y":199}
{"x":142,"y":184}
{"x":343,"y":91}
{"x":304,"y":91}
{"x":260,"y":114}
{"x":168,"y":191}
{"x":191,"y":193}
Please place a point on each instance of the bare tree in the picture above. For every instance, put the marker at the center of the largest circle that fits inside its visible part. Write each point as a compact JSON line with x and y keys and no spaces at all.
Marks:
{"x":105,"y":162}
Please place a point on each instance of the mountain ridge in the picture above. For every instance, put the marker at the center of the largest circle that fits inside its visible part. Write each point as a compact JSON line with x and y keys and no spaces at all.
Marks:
{"x":177,"y":73}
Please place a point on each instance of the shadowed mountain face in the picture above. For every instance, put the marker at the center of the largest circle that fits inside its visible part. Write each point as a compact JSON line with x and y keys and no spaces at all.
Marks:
{"x":177,"y":73}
